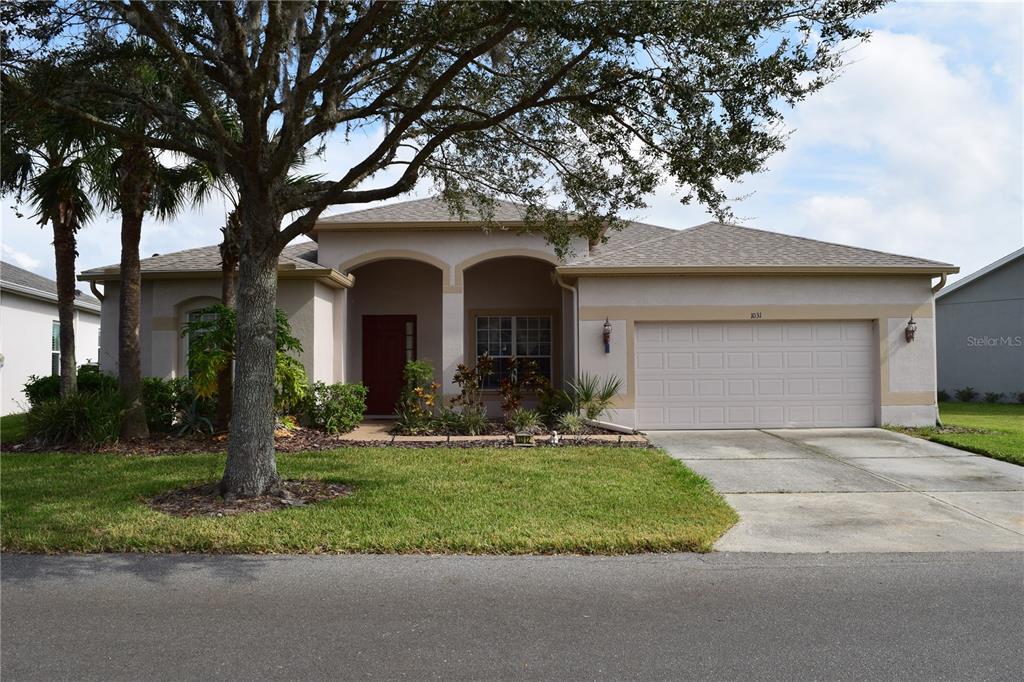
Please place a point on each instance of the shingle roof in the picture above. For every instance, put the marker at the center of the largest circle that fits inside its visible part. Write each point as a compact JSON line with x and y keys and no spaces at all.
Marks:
{"x":632,"y":234}
{"x":20,"y":279}
{"x":430,"y":210}
{"x":207,"y":259}
{"x":717,"y":245}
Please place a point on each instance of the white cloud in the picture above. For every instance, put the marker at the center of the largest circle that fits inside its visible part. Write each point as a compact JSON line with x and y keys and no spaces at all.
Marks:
{"x":910,"y":150}
{"x":20,"y":258}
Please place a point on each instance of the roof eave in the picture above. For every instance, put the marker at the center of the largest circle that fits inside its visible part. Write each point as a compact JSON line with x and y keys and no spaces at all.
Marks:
{"x":415,"y":226}
{"x":983,"y":272}
{"x":327,"y":276}
{"x":625,"y":271}
{"x":39,"y":294}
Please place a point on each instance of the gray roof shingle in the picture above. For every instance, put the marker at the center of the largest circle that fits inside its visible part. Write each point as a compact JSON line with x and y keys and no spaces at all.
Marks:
{"x":430,"y":210}
{"x":19,"y":277}
{"x":719,"y":245}
{"x":207,"y":259}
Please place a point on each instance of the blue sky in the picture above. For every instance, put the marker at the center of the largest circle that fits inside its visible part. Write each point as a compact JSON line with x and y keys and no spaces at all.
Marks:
{"x":917,"y":148}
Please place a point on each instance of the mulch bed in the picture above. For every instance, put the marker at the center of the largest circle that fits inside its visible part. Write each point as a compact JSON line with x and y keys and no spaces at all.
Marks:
{"x":297,"y":440}
{"x":206,"y":500}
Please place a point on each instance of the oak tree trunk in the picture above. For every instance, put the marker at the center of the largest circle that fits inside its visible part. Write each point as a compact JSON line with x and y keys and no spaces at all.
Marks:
{"x":64,"y":260}
{"x":134,"y":190}
{"x":251,"y":467}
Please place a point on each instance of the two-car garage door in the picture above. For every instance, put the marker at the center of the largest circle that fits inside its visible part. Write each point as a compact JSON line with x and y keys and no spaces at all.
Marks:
{"x":733,"y":375}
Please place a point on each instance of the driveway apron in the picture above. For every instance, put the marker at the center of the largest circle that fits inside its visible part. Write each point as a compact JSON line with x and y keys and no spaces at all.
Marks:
{"x":854,"y":490}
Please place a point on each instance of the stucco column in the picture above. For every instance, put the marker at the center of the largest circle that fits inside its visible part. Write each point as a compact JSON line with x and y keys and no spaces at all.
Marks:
{"x":452,"y":337}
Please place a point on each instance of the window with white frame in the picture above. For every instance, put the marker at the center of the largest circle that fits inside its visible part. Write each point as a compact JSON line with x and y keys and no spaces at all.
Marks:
{"x":504,"y":337}
{"x":55,"y":348}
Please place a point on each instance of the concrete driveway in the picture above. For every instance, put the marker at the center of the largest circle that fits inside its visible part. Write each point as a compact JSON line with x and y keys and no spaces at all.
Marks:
{"x":855,"y":490}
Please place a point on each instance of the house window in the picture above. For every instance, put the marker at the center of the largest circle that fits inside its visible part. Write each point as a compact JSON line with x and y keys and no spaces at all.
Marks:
{"x":55,"y":348}
{"x":504,"y":337}
{"x":410,"y":341}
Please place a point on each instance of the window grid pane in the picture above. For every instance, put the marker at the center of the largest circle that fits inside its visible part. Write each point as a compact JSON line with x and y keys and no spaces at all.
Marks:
{"x":504,"y":337}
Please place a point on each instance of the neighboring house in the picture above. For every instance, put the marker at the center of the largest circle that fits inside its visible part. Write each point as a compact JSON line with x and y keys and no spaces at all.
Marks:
{"x":716,"y":326}
{"x":980,"y":321}
{"x":30,"y":332}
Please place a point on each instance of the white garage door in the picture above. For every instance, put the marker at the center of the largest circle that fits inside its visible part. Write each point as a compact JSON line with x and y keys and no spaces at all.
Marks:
{"x":738,"y":375}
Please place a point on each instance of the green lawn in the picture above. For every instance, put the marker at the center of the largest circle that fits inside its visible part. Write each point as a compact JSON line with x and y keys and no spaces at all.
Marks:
{"x":993,"y":429}
{"x":12,"y":428}
{"x":543,"y":500}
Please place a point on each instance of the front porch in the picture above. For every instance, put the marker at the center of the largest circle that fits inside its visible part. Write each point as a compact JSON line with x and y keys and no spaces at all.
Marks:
{"x":406,"y":308}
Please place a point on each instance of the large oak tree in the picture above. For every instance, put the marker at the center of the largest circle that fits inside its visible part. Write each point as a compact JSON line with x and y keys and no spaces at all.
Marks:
{"x":581,"y":108}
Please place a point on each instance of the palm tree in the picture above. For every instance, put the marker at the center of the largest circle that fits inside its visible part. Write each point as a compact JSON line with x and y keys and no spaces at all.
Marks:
{"x":46,"y":163}
{"x":133,"y":182}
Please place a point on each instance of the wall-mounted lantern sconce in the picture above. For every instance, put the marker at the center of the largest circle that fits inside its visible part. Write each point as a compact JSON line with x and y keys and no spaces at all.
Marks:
{"x":607,"y":335}
{"x":910,"y":330}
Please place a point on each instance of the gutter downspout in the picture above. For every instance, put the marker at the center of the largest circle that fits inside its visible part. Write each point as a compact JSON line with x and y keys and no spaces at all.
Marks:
{"x":942,"y":283}
{"x":95,"y":292}
{"x":575,"y":320}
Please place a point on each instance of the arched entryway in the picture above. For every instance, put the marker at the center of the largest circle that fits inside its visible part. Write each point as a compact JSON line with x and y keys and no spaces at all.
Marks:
{"x":394,"y":315}
{"x":514,"y":308}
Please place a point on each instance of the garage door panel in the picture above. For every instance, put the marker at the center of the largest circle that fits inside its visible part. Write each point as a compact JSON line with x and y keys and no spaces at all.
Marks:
{"x":755,"y":375}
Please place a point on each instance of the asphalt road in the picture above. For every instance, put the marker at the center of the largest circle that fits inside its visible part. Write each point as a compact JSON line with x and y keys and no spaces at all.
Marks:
{"x":719,"y":616}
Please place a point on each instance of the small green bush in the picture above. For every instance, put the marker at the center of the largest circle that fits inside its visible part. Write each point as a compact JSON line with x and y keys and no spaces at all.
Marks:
{"x":473,"y":421}
{"x":90,"y":380}
{"x":418,"y":401}
{"x":571,"y":423}
{"x":88,"y":419}
{"x":966,"y":394}
{"x":166,"y":399}
{"x":335,"y":408}
{"x":992,"y":397}
{"x":942,"y":396}
{"x":520,"y":420}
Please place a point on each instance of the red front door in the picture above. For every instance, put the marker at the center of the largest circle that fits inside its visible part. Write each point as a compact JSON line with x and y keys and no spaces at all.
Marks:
{"x":388,"y":342}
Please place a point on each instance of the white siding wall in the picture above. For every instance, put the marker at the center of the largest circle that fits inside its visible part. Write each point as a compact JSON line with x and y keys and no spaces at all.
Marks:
{"x":25,"y":340}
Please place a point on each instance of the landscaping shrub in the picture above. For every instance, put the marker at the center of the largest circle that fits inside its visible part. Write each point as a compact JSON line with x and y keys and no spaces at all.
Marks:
{"x":335,"y":408}
{"x":966,"y":394}
{"x":166,"y":399}
{"x":415,"y":408}
{"x":190,"y":420}
{"x":211,"y":338}
{"x":85,"y":418}
{"x":1020,"y":397}
{"x":593,"y":396}
{"x":523,"y":421}
{"x":992,"y":397}
{"x":523,"y":375}
{"x":571,"y":423}
{"x":942,"y":396}
{"x":473,"y":421}
{"x":90,"y":380}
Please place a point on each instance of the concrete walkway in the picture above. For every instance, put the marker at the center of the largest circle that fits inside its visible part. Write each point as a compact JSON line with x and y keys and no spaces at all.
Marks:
{"x":855,"y":490}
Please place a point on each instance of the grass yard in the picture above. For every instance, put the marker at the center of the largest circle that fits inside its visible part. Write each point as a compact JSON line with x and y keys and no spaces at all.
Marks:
{"x":992,"y":429}
{"x":12,"y":428}
{"x":541,"y":500}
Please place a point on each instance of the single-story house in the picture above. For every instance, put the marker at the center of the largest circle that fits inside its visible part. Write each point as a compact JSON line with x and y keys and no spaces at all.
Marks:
{"x":980,"y":323}
{"x":715,"y":326}
{"x":30,"y":332}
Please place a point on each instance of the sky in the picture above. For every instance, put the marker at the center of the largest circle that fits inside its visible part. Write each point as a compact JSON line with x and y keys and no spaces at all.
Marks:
{"x":916,"y":149}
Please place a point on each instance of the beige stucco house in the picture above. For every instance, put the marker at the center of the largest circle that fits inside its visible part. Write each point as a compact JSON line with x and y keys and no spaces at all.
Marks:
{"x":715,"y":326}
